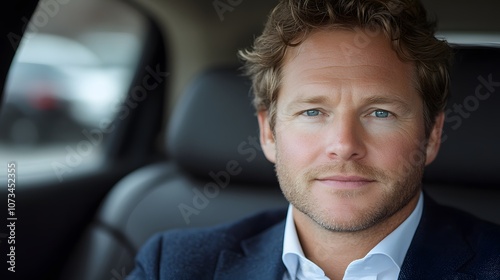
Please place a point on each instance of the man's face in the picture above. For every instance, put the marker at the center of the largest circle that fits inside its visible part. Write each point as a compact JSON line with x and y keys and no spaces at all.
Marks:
{"x":349,"y":142}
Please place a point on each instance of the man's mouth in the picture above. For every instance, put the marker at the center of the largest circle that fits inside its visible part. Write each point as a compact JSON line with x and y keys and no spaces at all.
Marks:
{"x":345,"y":181}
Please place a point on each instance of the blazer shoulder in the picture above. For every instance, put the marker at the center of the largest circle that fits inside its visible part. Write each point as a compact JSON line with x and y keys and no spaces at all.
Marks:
{"x":452,"y":244}
{"x":482,"y":237}
{"x":224,"y":236}
{"x":479,"y":233}
{"x":193,"y":253}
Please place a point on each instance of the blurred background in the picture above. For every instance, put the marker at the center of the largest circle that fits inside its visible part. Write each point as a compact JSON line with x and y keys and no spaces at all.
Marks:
{"x":69,"y":76}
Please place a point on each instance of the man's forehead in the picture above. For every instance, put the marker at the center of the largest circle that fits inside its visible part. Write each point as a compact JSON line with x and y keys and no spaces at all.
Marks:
{"x":344,"y":45}
{"x":326,"y":55}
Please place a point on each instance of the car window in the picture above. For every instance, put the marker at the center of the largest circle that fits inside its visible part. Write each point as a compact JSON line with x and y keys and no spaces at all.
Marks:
{"x":72,"y":70}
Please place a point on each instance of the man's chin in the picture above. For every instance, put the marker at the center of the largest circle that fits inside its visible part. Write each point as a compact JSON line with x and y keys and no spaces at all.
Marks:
{"x":345,"y":221}
{"x":342,"y":217}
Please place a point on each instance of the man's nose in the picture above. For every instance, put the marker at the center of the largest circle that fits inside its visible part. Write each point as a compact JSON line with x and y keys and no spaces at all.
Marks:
{"x":345,"y":138}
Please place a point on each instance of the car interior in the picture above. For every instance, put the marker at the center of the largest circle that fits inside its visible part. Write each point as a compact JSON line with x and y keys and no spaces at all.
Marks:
{"x":169,"y":138}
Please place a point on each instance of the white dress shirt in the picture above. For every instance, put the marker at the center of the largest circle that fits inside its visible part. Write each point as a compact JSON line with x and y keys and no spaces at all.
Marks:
{"x":383,"y":262}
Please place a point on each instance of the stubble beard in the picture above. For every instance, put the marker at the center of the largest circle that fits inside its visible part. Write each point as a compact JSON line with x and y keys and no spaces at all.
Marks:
{"x":295,"y":186}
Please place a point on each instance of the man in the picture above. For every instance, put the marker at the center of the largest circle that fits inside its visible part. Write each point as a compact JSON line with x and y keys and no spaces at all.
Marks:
{"x":350,"y":97}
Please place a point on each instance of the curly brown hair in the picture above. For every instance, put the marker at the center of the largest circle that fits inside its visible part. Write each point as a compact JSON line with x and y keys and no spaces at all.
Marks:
{"x":404,"y":22}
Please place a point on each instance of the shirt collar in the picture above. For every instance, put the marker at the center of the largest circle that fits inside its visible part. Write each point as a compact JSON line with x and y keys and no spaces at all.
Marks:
{"x":395,"y":245}
{"x":293,"y":257}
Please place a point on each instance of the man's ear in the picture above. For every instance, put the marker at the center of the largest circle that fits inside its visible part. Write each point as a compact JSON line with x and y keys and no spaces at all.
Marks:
{"x":266,"y":136}
{"x":434,"y":143}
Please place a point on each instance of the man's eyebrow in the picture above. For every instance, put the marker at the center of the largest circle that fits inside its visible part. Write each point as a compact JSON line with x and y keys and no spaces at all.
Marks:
{"x":378,"y":99}
{"x":316,"y":99}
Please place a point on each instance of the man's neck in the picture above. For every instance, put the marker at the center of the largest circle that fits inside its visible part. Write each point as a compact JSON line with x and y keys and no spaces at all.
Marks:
{"x":334,"y":251}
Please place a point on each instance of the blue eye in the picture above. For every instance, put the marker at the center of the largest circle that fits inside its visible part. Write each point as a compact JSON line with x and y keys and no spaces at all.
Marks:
{"x":382,"y":114}
{"x":312,"y":113}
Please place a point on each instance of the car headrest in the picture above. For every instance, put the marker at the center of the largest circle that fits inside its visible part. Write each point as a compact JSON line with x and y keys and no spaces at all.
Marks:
{"x":213,"y":131}
{"x":470,"y":150}
{"x":214,"y":128}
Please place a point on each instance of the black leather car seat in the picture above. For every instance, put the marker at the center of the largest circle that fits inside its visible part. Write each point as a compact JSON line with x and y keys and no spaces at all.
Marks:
{"x":217,"y":172}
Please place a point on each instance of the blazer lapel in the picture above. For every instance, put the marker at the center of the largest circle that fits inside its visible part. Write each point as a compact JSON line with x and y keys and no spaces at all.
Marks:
{"x":260,"y":257}
{"x":438,"y":249}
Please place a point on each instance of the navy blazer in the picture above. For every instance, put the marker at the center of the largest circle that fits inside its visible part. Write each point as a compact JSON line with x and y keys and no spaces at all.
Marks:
{"x":448,"y":244}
